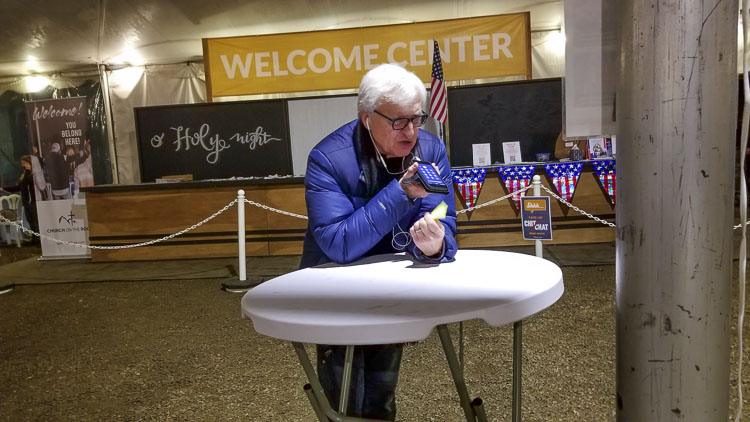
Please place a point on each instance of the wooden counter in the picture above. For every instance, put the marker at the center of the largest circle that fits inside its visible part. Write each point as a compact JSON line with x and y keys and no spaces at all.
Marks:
{"x":128,"y":214}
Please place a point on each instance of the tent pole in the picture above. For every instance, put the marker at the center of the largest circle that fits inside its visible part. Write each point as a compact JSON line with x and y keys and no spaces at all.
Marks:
{"x":676,"y":120}
{"x":104,"y":79}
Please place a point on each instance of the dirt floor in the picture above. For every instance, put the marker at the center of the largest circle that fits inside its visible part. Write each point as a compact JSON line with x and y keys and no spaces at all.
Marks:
{"x":177,"y":350}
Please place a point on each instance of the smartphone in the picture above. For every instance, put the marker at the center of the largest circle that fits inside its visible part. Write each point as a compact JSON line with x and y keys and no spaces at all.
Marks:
{"x":430,"y":179}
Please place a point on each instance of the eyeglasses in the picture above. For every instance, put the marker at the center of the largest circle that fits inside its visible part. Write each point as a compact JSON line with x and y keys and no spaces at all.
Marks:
{"x":402,"y":122}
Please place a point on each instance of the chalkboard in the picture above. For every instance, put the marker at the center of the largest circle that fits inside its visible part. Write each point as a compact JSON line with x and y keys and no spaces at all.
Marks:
{"x":526,"y":111}
{"x":214,"y":140}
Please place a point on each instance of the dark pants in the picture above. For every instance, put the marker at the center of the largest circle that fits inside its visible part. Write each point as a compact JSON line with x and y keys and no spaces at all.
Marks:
{"x":31,"y":218}
{"x":374,"y":376}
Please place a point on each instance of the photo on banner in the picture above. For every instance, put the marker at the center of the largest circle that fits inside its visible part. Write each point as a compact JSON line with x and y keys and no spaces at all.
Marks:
{"x":61,"y":165}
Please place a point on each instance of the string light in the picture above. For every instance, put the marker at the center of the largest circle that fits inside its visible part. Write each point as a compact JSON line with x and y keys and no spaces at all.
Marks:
{"x":556,"y":40}
{"x":36,"y":83}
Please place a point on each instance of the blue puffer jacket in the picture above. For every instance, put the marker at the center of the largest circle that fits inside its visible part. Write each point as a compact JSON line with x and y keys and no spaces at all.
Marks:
{"x":346,"y":222}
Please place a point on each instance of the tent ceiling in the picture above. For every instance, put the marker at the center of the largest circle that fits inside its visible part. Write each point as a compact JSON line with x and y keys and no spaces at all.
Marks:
{"x":49,"y":36}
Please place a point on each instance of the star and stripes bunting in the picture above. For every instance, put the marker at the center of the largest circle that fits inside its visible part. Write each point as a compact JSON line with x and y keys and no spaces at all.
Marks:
{"x":469,"y":183}
{"x":605,"y":172}
{"x":516,"y":178}
{"x":564,"y":177}
{"x":438,"y":95}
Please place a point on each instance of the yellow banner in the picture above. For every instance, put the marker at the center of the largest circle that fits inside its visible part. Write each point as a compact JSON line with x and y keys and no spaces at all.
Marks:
{"x":471,"y":48}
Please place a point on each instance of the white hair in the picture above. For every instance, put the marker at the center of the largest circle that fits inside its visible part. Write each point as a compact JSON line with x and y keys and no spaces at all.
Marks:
{"x":390,"y":83}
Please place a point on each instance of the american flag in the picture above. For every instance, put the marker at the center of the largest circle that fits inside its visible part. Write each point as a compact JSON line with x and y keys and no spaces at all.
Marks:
{"x":516,"y":178}
{"x":469,"y":182}
{"x":606,"y":172}
{"x":438,"y":97}
{"x":565,"y":177}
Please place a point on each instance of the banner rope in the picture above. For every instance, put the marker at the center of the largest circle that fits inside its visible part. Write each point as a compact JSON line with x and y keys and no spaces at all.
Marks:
{"x":135,"y":245}
{"x":266,"y":207}
{"x":516,"y":193}
{"x":300,"y":216}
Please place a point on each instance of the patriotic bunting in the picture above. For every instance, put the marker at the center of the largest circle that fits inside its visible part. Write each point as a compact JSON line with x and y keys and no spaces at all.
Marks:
{"x":565,"y":177}
{"x":516,"y":178}
{"x":605,"y":171}
{"x":469,"y":183}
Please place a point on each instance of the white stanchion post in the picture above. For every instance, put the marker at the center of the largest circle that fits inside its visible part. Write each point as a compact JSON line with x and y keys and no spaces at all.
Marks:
{"x":518,"y":331}
{"x":241,"y":233}
{"x":537,"y":183}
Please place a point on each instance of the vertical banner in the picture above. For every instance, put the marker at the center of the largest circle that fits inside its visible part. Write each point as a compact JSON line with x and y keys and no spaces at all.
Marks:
{"x":61,"y":165}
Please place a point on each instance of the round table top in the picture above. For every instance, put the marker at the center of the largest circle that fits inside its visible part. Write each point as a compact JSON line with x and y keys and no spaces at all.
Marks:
{"x":393,"y":298}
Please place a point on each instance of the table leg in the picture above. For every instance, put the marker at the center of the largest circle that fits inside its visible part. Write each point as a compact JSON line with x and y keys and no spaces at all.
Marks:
{"x":458,"y":375}
{"x":461,"y":344}
{"x":312,"y":376}
{"x":517,"y":361}
{"x":314,"y":403}
{"x":317,"y":390}
{"x":346,"y":379}
{"x":478,"y":407}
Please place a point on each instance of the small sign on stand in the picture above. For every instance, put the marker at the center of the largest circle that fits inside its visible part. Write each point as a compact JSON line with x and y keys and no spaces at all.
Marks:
{"x":535,"y":218}
{"x":512,"y":152}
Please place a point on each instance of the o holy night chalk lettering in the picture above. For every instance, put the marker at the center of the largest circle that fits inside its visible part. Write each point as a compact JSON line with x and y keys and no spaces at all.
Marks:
{"x":213,"y":144}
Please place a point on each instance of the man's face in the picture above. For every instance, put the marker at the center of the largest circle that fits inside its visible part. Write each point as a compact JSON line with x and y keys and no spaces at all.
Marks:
{"x":394,"y":143}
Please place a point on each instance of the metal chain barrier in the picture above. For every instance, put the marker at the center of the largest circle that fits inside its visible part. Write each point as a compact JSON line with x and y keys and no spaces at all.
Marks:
{"x":266,"y":207}
{"x":518,"y":192}
{"x":304,"y":217}
{"x":556,"y":196}
{"x":593,"y":217}
{"x":135,"y":245}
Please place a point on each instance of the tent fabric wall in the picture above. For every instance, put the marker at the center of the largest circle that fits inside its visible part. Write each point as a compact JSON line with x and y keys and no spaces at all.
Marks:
{"x":547,"y":56}
{"x":183,"y":83}
{"x":311,"y":120}
{"x":591,"y":68}
{"x":26,"y":85}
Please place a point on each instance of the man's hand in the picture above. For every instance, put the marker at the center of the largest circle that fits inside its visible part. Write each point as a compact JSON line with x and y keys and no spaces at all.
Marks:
{"x":428,"y":235}
{"x":415,"y":189}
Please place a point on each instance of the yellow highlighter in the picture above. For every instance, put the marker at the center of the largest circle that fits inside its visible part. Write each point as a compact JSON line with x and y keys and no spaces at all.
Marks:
{"x":440,"y":211}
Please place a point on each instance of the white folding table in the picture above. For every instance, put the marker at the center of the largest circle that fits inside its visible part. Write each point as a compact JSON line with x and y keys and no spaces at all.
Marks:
{"x":392,"y":298}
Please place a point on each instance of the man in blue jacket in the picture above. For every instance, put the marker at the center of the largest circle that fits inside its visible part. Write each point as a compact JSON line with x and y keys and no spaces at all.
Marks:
{"x":360,"y":203}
